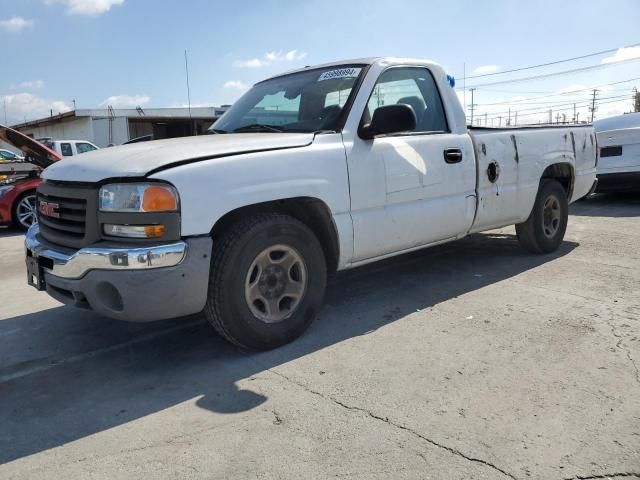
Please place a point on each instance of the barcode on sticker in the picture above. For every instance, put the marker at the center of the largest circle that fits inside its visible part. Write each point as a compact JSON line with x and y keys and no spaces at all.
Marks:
{"x":340,"y":73}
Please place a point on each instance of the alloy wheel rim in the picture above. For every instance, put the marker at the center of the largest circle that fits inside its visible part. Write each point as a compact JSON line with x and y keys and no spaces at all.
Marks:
{"x":26,"y":211}
{"x":551,"y":216}
{"x":276,"y":283}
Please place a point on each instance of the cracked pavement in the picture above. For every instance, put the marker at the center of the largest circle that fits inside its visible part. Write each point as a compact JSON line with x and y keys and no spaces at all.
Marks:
{"x":472,"y":360}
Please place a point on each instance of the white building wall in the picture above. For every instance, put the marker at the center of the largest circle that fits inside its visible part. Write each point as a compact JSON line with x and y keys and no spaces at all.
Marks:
{"x":119,"y":129}
{"x":78,"y":128}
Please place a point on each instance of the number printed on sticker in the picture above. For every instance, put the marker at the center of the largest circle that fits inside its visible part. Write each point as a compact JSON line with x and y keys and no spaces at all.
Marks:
{"x":340,"y":73}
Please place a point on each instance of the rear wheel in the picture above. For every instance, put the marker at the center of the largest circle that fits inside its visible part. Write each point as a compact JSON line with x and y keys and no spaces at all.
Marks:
{"x":544,"y":230}
{"x":267,"y":281}
{"x":24,"y":211}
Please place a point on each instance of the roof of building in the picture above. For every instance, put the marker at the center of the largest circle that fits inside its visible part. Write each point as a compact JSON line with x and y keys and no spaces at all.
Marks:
{"x":141,"y":113}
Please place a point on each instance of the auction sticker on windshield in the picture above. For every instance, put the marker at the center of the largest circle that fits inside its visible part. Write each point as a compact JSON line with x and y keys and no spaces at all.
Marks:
{"x":340,"y":73}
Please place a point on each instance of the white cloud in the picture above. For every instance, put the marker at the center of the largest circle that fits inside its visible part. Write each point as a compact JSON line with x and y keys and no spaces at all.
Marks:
{"x":31,"y":84}
{"x":292,"y":55}
{"x":15,"y":24}
{"x":126,"y":101}
{"x":251,"y":63}
{"x":573,"y":88}
{"x":30,"y":106}
{"x":622,"y":54}
{"x":269,"y":58}
{"x":236,"y":84}
{"x":484,"y":69}
{"x":86,"y":7}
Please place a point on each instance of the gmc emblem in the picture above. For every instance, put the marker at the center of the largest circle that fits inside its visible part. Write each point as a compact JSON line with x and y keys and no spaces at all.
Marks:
{"x":49,"y":209}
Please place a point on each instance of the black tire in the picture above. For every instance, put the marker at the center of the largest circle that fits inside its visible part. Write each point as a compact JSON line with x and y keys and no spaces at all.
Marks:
{"x":234,"y":254}
{"x":535,"y":235}
{"x":14,"y":210}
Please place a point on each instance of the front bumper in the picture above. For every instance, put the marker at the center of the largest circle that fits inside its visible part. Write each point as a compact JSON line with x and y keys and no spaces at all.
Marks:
{"x":127,"y":283}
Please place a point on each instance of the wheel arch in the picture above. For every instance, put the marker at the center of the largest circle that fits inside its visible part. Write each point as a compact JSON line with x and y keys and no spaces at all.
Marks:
{"x":564,"y":173}
{"x":311,"y":211}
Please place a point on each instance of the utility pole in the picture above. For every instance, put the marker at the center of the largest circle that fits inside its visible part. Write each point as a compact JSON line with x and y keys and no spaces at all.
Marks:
{"x":557,"y":118}
{"x":516,"y":119}
{"x":509,"y":119}
{"x":186,"y":69}
{"x":485,"y":119}
{"x":500,"y":120}
{"x":575,"y":117}
{"x":636,"y":100}
{"x":593,"y":104}
{"x":464,"y":88}
{"x":550,"y":116}
{"x":74,"y":104}
{"x":472,"y":104}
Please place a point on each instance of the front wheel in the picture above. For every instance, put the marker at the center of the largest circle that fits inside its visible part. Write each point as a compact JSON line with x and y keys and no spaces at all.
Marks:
{"x":24,"y":211}
{"x":544,"y":230}
{"x":267,"y":281}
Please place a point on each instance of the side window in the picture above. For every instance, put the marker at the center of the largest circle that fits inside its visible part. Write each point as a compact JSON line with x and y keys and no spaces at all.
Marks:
{"x":414,"y":87}
{"x":65,"y":149}
{"x":82,"y":147}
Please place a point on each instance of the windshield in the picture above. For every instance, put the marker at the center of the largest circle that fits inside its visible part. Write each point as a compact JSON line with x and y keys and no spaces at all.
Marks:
{"x":307,"y":101}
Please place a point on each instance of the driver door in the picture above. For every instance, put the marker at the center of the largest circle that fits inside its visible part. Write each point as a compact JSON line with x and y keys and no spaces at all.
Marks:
{"x":407,"y":191}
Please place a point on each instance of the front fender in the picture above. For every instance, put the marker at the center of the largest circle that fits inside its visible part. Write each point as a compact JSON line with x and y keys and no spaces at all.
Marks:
{"x":212,"y":188}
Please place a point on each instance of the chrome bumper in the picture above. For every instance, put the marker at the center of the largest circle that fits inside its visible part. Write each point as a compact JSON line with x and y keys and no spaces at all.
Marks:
{"x":67,"y":263}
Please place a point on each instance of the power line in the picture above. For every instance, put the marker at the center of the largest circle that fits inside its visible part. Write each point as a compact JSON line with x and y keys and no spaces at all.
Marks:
{"x":570,"y":92}
{"x":546,"y":110}
{"x":555,"y":62}
{"x":563,"y":72}
{"x":554,"y":103}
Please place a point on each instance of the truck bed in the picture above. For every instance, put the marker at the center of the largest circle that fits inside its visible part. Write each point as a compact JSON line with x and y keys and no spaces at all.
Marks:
{"x":511,"y":160}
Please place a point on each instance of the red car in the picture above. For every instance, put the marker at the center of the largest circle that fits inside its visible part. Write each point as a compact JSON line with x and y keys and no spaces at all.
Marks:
{"x":18,"y":188}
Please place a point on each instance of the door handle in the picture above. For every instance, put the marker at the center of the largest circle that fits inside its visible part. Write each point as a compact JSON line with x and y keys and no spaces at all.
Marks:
{"x":453,"y":155}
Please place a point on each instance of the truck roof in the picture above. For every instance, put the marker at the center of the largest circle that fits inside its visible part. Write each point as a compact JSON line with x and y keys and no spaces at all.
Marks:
{"x":362,"y":61}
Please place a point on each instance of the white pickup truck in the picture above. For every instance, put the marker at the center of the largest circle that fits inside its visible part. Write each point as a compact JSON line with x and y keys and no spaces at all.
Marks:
{"x":316,"y":170}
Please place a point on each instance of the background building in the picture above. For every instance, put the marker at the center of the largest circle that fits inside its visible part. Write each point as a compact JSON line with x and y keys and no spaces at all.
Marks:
{"x":110,"y":126}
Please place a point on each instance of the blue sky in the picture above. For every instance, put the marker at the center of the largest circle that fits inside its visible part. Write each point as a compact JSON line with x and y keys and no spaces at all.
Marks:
{"x":130,"y":52}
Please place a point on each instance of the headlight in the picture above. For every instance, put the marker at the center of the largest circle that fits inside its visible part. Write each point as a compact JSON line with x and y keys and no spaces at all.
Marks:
{"x":138,"y":197}
{"x":5,"y":189}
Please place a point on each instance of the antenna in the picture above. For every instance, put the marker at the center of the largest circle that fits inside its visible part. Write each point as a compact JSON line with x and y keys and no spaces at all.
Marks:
{"x":186,"y":69}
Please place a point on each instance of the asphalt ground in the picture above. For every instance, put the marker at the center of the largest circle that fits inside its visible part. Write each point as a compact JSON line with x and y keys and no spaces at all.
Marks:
{"x":468,"y":360}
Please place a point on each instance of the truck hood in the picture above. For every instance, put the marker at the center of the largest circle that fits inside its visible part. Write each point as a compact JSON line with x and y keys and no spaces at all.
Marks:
{"x":35,"y":152}
{"x":140,"y":159}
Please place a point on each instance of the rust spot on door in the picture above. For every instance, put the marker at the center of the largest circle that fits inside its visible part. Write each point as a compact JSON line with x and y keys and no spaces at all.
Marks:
{"x":516,"y":156}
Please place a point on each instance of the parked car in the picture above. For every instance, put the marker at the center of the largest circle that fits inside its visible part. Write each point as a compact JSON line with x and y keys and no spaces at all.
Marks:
{"x":69,"y":148}
{"x":18,"y":185}
{"x":9,"y":156}
{"x":373,"y":159}
{"x":619,"y":143}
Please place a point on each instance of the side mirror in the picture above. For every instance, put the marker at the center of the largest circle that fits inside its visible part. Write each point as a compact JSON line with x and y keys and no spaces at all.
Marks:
{"x":390,"y":119}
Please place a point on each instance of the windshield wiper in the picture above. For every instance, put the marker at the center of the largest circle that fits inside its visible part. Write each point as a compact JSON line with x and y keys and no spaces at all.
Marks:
{"x":259,"y":127}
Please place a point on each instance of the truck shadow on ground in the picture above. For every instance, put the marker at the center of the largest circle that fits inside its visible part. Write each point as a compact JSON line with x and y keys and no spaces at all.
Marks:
{"x":60,"y":397}
{"x":608,"y":205}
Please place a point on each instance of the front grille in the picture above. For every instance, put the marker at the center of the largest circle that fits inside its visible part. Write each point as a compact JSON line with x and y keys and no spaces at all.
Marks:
{"x":64,"y":214}
{"x":69,"y":215}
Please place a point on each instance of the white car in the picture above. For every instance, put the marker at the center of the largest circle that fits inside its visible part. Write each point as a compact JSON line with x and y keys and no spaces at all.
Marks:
{"x":321,"y":169}
{"x":9,"y":156}
{"x":68,"y":148}
{"x":619,"y":143}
